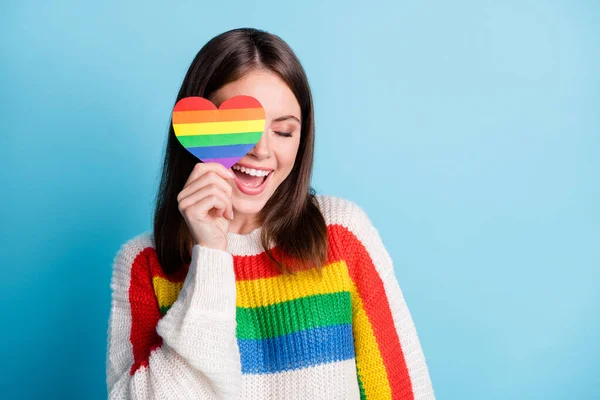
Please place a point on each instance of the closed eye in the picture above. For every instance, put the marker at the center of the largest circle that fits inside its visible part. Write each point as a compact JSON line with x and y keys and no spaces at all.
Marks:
{"x":284,"y":134}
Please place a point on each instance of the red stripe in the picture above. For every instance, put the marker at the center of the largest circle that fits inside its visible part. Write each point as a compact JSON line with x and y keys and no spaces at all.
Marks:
{"x":240,"y":102}
{"x":195,"y":103}
{"x":343,"y":245}
{"x":255,"y":267}
{"x":371,"y":291}
{"x":145,"y":311}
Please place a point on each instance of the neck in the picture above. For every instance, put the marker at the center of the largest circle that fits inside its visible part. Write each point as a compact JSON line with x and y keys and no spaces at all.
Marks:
{"x":243,"y":223}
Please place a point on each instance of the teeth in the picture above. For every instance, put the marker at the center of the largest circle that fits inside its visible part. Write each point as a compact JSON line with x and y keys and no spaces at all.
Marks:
{"x":251,"y":171}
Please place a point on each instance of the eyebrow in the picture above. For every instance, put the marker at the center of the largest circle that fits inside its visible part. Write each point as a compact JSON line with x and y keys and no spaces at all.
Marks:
{"x":285,"y":117}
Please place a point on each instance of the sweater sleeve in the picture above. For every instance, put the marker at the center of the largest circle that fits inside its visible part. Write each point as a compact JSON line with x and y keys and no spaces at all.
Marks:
{"x":389,"y":357}
{"x":192,"y":351}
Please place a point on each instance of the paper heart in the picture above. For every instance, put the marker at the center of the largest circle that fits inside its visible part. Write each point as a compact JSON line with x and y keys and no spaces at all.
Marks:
{"x":224,"y":134}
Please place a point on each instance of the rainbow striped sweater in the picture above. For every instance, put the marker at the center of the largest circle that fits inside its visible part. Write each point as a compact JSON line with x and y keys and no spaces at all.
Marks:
{"x":231,"y":326}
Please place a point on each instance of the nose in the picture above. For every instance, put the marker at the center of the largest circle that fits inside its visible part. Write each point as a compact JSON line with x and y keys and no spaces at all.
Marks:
{"x":262,"y":149}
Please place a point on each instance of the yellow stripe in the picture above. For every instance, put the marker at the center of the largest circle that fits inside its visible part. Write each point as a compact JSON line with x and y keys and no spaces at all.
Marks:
{"x":215,"y":128}
{"x":266,"y":291}
{"x":368,"y":357}
{"x":166,"y":291}
{"x":262,"y":292}
{"x":277,"y":289}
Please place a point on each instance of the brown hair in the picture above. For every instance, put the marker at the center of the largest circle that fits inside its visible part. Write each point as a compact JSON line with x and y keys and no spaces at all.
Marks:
{"x":291,"y":218}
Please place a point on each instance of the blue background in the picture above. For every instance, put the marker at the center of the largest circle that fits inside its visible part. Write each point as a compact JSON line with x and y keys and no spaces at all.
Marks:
{"x":468,"y":131}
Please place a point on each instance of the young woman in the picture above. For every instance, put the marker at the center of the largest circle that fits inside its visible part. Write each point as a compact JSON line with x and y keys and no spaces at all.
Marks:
{"x":250,"y":285}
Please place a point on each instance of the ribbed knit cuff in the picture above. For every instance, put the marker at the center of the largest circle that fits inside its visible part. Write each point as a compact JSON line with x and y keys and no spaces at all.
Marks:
{"x":213,"y":280}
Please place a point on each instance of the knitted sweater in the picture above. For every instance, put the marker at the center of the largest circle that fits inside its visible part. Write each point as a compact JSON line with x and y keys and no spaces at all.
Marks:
{"x":231,"y":326}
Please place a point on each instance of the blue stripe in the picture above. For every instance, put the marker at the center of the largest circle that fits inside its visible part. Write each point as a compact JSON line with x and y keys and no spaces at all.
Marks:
{"x":238,"y":150}
{"x":297,"y":350}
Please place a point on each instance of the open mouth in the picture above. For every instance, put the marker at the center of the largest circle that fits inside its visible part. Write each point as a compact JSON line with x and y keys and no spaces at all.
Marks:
{"x":251,"y":181}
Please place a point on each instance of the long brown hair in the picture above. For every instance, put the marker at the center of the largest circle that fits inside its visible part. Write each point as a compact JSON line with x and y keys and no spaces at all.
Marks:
{"x":291,"y":218}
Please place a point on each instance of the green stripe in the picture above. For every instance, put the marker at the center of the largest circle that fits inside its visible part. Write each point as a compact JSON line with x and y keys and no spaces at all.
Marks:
{"x":164,"y":309}
{"x":294,"y":315}
{"x":219,"y":140}
{"x":361,"y":388}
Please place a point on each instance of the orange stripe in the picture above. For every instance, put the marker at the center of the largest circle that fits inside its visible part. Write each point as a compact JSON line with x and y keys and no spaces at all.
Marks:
{"x":199,"y":116}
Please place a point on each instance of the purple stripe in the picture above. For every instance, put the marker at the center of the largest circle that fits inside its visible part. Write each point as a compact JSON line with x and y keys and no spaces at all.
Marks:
{"x":226,"y":162}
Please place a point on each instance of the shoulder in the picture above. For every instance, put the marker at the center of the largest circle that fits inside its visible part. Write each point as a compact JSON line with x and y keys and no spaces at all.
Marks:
{"x":345,"y":213}
{"x":348,"y":224}
{"x":129,"y":250}
{"x":355,"y":236}
{"x":134,"y":258}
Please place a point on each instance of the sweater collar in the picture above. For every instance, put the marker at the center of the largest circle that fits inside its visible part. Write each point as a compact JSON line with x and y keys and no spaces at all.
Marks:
{"x":245,"y":244}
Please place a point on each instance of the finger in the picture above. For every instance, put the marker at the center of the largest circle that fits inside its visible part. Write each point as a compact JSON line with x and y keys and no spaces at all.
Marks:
{"x":202,"y":168}
{"x":230,"y":209}
{"x":209,"y":178}
{"x":204,"y":206}
{"x":207,"y":191}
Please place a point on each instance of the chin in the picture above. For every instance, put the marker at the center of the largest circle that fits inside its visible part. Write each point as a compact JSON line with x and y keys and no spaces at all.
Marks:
{"x":245,"y":205}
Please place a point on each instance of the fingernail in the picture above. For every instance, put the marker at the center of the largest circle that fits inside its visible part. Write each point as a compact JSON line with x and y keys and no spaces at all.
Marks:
{"x":232,"y":215}
{"x":231,"y":174}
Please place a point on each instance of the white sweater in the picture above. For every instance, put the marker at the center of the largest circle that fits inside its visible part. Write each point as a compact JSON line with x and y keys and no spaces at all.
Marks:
{"x":230,"y":326}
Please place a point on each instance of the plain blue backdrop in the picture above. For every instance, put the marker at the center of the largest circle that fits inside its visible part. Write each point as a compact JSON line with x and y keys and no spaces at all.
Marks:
{"x":467,"y":130}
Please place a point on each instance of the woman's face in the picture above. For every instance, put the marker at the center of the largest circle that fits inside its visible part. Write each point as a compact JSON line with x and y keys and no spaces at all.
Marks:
{"x":276,"y":151}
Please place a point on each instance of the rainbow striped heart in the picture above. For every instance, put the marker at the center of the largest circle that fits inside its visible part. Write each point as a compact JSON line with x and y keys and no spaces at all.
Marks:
{"x":224,"y":134}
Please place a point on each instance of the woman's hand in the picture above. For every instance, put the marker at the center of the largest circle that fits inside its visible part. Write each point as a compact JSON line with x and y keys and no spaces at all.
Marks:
{"x":206,"y":205}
